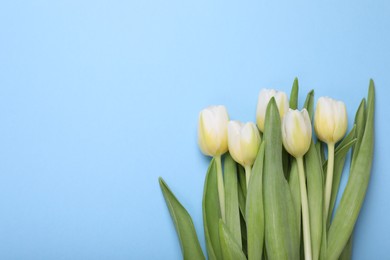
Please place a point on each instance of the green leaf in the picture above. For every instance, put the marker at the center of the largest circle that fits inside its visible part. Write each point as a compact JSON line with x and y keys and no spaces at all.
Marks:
{"x":211,"y":213}
{"x":309,"y":104}
{"x":185,"y":229}
{"x":244,"y":235}
{"x":347,"y":252}
{"x":286,"y":161}
{"x":231,"y":198}
{"x":241,"y":189}
{"x":294,"y":95}
{"x":230,"y":249}
{"x":346,"y":215}
{"x":242,"y":179}
{"x":255,"y":208}
{"x":281,"y":231}
{"x":293,"y":182}
{"x":324,"y":243}
{"x":320,"y":151}
{"x":315,"y":195}
{"x":339,"y":162}
{"x":241,"y":201}
{"x":360,"y":122}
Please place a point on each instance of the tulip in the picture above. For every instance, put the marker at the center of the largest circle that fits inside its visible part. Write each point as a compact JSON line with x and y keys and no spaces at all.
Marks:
{"x":212,"y":140}
{"x":330,"y":121}
{"x":296,"y":133}
{"x":243,"y":142}
{"x":264,"y":97}
{"x":330,"y":124}
{"x":212,"y":130}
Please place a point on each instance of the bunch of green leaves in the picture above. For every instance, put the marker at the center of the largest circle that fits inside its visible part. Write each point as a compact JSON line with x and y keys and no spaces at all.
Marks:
{"x":263,"y":221}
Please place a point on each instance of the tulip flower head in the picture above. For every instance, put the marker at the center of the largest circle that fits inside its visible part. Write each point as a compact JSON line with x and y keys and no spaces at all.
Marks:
{"x":243,"y":141}
{"x":296,"y":132}
{"x":212,"y":130}
{"x":264,"y":97}
{"x":330,"y":121}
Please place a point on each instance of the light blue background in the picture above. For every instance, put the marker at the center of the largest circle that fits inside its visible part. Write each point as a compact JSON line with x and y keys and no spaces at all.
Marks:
{"x":99,"y":98}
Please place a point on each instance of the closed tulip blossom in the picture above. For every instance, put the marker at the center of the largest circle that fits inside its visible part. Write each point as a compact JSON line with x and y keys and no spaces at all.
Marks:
{"x":330,"y":121}
{"x":244,"y":142}
{"x":212,"y":130}
{"x":330,"y":124}
{"x":296,"y":131}
{"x":212,"y":140}
{"x":296,"y":136}
{"x":264,"y":97}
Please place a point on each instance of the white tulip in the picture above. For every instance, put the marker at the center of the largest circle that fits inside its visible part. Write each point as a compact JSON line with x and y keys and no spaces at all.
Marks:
{"x":244,"y":142}
{"x":296,"y":132}
{"x":264,"y":97}
{"x":212,"y":130}
{"x":330,"y":124}
{"x":330,"y":121}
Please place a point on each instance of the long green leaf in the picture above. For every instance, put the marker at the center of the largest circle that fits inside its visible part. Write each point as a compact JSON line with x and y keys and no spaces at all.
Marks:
{"x":211,"y":213}
{"x":315,"y":196}
{"x":281,"y":231}
{"x":353,"y":196}
{"x":347,"y":251}
{"x":255,"y":209}
{"x":293,"y":182}
{"x":324,"y":243}
{"x":231,"y":198}
{"x":360,"y":122}
{"x":244,"y":235}
{"x":185,"y":229}
{"x":309,"y":104}
{"x":339,"y":162}
{"x":241,"y":190}
{"x":230,"y":249}
{"x":320,"y":151}
{"x":294,"y":95}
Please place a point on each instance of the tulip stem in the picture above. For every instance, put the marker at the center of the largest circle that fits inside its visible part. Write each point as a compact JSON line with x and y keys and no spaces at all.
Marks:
{"x":329,"y":178}
{"x":221,"y":189}
{"x":305,"y":210}
{"x":248,"y":171}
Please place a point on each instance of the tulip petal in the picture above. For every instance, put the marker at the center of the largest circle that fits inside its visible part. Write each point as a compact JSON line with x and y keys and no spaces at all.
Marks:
{"x":341,"y":118}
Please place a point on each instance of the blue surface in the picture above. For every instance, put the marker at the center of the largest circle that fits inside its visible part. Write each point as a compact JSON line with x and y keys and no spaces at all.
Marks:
{"x":99,"y":98}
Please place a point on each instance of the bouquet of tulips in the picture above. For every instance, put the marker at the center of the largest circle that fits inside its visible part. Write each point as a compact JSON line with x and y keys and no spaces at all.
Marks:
{"x":270,"y":189}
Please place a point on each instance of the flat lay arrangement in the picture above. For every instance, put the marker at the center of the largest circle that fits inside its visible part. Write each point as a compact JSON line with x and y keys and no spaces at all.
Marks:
{"x":271,"y":187}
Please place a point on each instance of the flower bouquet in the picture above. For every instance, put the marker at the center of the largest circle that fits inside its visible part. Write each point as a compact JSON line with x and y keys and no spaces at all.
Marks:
{"x":270,"y":189}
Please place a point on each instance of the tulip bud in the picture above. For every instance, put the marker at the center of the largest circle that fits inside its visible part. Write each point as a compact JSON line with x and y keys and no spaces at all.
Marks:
{"x":212,"y":130}
{"x":244,"y":142}
{"x":264,"y":97}
{"x":296,"y":132}
{"x":330,"y":121}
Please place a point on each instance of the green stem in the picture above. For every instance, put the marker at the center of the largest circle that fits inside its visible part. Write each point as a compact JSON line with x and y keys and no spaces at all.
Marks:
{"x":248,"y":171}
{"x":221,"y":189}
{"x":329,"y":178}
{"x":305,"y":210}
